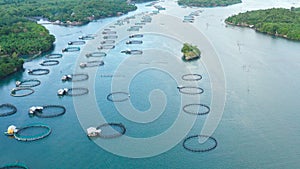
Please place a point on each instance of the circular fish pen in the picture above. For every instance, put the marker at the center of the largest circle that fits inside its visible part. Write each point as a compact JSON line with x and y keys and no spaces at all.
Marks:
{"x":14,"y":92}
{"x":134,"y":42}
{"x":118,"y":96}
{"x":206,"y":111}
{"x":109,"y":32}
{"x":7,"y":110}
{"x":109,"y":41}
{"x":118,"y":129}
{"x":75,"y":77}
{"x":20,"y":136}
{"x":14,"y":166}
{"x":191,"y":90}
{"x":96,"y":54}
{"x":208,"y":138}
{"x":71,"y":49}
{"x":38,"y":72}
{"x":49,"y":63}
{"x":92,"y":64}
{"x":76,"y":43}
{"x":77,"y":91}
{"x":54,"y":56}
{"x":106,"y":47}
{"x":191,"y":77}
{"x":110,"y":37}
{"x":28,"y":83}
{"x":132,"y":52}
{"x":136,"y":36}
{"x":42,"y":111}
{"x":87,"y":37}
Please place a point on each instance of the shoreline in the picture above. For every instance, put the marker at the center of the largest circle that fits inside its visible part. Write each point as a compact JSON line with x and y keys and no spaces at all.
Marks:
{"x":244,"y":25}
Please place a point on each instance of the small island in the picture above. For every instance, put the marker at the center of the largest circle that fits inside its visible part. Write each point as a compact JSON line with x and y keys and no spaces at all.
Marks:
{"x":190,"y":52}
{"x":276,"y":21}
{"x":208,"y":3}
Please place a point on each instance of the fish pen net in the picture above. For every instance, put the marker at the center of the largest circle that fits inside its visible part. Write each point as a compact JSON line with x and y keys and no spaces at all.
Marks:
{"x":79,"y":91}
{"x":14,"y":166}
{"x":75,"y":77}
{"x":32,"y":132}
{"x":7,"y":109}
{"x":38,"y":72}
{"x":209,"y":143}
{"x":108,"y":42}
{"x":111,"y":130}
{"x":132,"y":52}
{"x":21,"y":92}
{"x":110,"y":37}
{"x":118,"y":96}
{"x":92,"y":64}
{"x":106,"y":47}
{"x":50,"y":111}
{"x":191,"y":90}
{"x":191,"y":77}
{"x":96,"y":54}
{"x":49,"y":63}
{"x":28,"y":83}
{"x":204,"y":109}
{"x":76,"y":43}
{"x":54,"y":56}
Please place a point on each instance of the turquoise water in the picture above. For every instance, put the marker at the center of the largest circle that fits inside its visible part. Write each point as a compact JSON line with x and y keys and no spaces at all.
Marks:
{"x":259,"y":128}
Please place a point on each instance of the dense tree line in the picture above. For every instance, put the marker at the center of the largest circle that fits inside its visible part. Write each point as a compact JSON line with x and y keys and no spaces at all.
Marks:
{"x":9,"y":65}
{"x":208,"y":3}
{"x":20,"y":36}
{"x":276,"y":21}
{"x":81,"y":11}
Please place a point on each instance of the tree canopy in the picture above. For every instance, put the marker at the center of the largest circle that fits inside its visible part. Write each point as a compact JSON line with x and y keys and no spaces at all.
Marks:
{"x":21,"y":35}
{"x":208,"y":3}
{"x":276,"y":21}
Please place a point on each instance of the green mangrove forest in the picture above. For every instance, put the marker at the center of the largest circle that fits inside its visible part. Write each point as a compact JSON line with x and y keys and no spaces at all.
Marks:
{"x":276,"y":21}
{"x":208,"y":3}
{"x":21,"y":35}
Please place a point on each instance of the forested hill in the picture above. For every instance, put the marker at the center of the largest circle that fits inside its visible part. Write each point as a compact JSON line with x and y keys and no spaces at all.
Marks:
{"x":81,"y":11}
{"x":20,"y":36}
{"x":208,"y":3}
{"x":276,"y":21}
